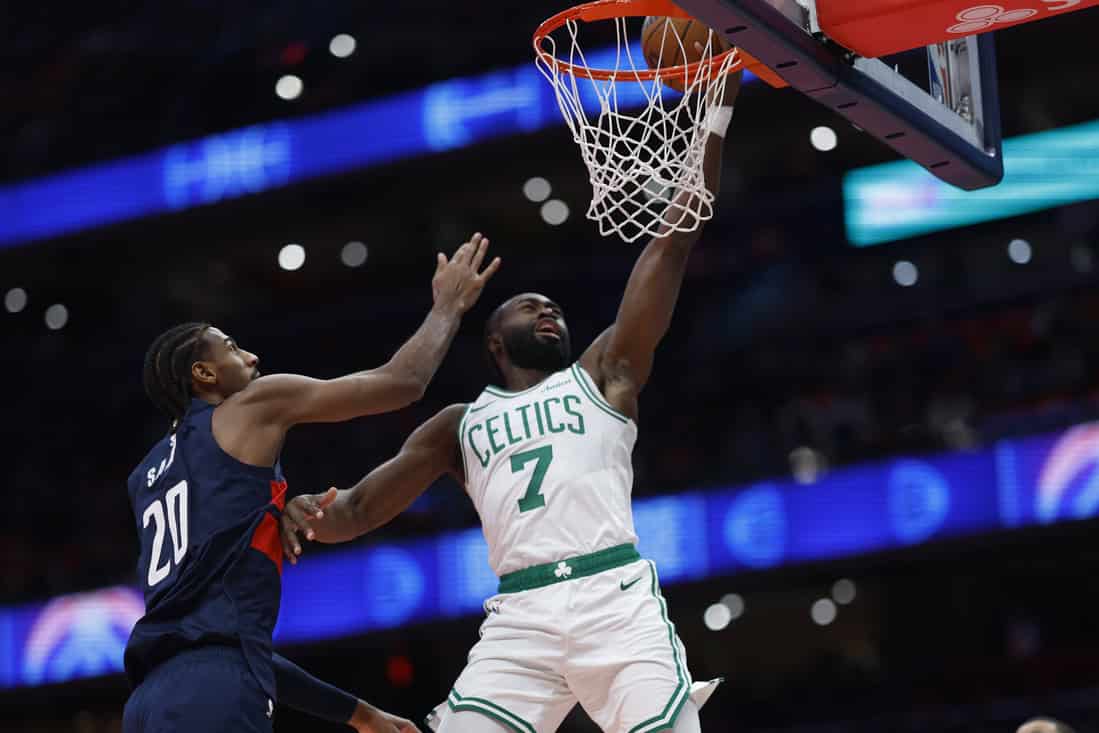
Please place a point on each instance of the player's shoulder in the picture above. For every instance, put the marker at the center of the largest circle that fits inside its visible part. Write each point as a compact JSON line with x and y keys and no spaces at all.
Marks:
{"x":440,"y":431}
{"x":451,"y":415}
{"x":156,"y":452}
{"x":149,"y":463}
{"x":133,"y":481}
{"x":591,"y":361}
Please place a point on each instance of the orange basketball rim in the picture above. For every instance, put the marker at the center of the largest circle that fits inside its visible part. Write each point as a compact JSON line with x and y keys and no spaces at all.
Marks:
{"x":611,"y":9}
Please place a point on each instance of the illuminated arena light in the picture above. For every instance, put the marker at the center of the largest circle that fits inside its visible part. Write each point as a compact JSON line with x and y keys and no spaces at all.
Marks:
{"x":843,"y":591}
{"x":57,"y":315}
{"x":15,"y":300}
{"x":823,"y":612}
{"x":289,"y":87}
{"x":292,"y":257}
{"x":354,"y":254}
{"x":537,"y":189}
{"x":555,"y":212}
{"x":341,"y":46}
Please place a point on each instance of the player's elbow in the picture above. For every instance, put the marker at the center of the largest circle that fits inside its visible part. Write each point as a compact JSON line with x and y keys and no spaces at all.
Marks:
{"x":403,"y":386}
{"x":413,"y":390}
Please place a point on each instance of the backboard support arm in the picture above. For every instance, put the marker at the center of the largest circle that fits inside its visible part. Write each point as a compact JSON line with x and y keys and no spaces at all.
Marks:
{"x":872,"y":96}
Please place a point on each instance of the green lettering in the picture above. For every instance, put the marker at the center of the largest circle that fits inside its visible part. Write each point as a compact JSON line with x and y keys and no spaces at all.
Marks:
{"x":578,"y":426}
{"x":492,"y":435}
{"x":526,"y":425}
{"x":549,"y":417}
{"x":483,"y":460}
{"x":512,"y":440}
{"x":538,"y":417}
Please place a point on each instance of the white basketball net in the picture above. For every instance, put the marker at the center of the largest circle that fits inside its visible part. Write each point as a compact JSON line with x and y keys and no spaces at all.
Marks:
{"x":645,"y":165}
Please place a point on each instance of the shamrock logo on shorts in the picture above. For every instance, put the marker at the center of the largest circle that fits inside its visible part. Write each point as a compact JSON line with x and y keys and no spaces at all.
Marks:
{"x":563,"y":570}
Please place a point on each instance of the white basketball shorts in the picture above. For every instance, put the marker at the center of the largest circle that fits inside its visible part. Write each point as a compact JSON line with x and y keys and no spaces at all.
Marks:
{"x":602,"y":639}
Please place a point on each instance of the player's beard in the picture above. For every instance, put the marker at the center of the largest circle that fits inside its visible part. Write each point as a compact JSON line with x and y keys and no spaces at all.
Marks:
{"x":527,"y":351}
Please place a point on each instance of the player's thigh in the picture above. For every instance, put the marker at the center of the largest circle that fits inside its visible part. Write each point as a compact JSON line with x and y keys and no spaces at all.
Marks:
{"x":514,"y":672}
{"x":207,"y":690}
{"x":468,"y":721}
{"x":510,"y":687}
{"x":629,"y":667}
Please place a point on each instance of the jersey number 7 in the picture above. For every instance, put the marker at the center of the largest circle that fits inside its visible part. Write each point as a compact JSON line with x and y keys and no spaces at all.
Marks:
{"x":533,"y":499}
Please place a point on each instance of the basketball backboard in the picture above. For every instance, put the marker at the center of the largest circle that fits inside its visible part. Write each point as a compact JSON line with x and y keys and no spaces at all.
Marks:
{"x":949,"y":123}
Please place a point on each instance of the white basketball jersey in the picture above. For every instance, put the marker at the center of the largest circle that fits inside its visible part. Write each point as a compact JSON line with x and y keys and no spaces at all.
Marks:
{"x":549,"y":470}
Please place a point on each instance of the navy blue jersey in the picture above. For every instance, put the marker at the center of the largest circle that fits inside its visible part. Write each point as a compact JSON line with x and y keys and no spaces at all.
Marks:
{"x":211,"y":560}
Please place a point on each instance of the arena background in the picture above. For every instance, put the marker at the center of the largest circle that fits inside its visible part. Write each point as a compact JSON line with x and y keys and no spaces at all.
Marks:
{"x":810,"y":419}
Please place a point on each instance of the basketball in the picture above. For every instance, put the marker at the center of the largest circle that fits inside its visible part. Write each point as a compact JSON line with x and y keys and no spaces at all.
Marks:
{"x":663,"y":49}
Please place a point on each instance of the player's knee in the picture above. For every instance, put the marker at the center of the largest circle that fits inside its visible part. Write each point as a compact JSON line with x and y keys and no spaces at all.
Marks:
{"x":468,"y":721}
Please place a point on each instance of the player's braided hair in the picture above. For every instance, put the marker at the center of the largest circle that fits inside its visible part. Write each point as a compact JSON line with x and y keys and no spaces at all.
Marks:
{"x":167,"y":371}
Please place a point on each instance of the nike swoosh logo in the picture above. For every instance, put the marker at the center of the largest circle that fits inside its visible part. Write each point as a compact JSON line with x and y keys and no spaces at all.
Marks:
{"x":627,"y":586}
{"x":478,"y":409}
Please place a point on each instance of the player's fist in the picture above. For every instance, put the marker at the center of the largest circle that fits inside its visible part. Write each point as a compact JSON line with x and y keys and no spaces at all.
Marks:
{"x":731,"y":79}
{"x":297,"y":517}
{"x":458,"y":282}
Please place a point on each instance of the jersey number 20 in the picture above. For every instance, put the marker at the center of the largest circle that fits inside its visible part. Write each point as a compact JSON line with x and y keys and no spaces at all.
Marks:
{"x":173,"y":508}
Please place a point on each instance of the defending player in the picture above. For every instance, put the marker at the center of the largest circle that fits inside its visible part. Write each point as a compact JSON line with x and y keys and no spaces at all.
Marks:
{"x":206,"y":498}
{"x":547,"y":462}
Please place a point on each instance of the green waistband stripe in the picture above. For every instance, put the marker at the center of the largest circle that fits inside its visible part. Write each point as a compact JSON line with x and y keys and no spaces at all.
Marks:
{"x":571,"y":568}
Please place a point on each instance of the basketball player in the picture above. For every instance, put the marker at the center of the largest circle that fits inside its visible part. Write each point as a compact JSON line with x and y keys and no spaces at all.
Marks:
{"x":547,"y":463}
{"x":206,"y":498}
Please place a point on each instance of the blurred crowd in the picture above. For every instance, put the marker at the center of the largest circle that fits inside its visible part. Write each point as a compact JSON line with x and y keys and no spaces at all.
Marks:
{"x":73,"y":87}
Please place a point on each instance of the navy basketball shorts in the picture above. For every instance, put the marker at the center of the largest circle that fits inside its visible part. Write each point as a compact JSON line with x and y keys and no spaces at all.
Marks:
{"x":209,"y":689}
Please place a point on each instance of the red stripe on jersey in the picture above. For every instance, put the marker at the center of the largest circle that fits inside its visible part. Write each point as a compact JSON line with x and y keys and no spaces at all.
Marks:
{"x":266,"y":537}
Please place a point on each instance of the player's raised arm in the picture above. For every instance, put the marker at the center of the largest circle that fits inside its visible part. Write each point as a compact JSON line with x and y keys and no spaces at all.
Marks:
{"x":289,"y":399}
{"x":338,"y":516}
{"x":621,"y":358}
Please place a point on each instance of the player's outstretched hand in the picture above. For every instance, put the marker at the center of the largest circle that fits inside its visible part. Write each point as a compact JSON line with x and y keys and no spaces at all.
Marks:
{"x":732,"y":81}
{"x":1044,"y":725}
{"x":458,"y":282}
{"x":299,"y":512}
{"x":368,"y":719}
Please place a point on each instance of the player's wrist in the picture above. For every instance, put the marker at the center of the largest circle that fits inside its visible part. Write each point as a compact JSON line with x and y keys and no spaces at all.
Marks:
{"x":448,"y":310}
{"x":360,"y":716}
{"x":718,"y":119}
{"x":366,"y":718}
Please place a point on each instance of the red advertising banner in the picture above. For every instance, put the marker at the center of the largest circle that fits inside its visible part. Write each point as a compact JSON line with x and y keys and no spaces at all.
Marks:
{"x":874,"y":28}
